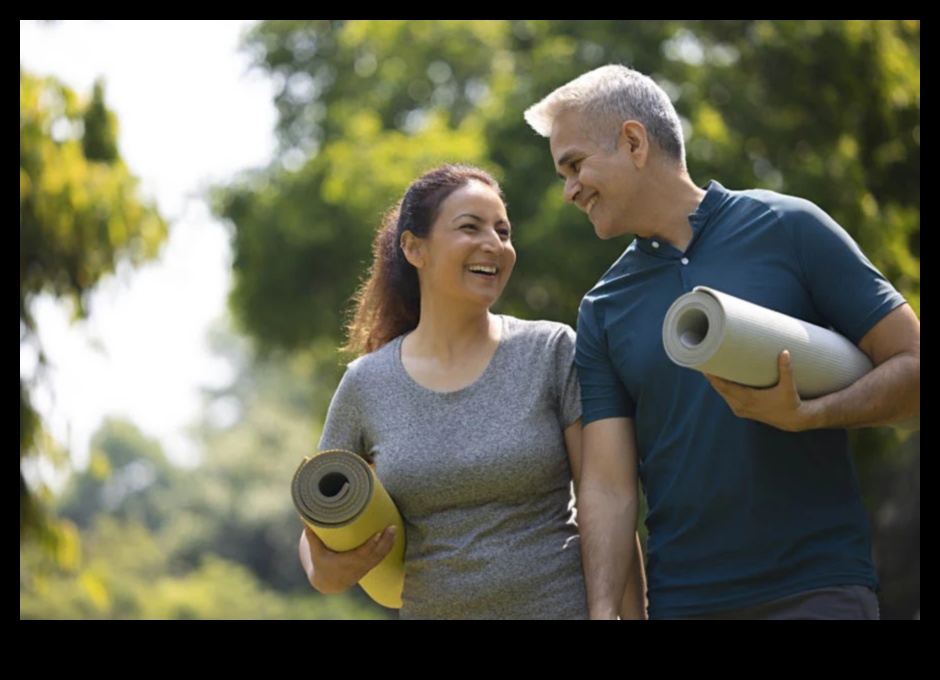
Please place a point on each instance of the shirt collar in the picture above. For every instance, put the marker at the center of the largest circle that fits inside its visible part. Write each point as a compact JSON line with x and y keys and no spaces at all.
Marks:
{"x":715,"y":195}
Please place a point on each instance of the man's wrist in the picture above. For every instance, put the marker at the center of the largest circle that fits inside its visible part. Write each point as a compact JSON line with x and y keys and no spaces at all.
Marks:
{"x":604,"y":612}
{"x":810,"y":416}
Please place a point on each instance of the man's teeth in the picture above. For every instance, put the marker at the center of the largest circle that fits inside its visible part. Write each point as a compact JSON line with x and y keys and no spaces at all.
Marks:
{"x":482,"y":269}
{"x":590,"y":204}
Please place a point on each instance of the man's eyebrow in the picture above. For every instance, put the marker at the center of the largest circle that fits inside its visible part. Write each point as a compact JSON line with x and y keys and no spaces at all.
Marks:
{"x":566,"y":160}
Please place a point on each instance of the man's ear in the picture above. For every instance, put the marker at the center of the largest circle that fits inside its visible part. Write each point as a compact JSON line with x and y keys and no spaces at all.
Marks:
{"x":634,"y":140}
{"x":413,"y":248}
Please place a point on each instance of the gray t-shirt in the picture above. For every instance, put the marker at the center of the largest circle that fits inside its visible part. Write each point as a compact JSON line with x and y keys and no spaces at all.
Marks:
{"x":480,"y":475}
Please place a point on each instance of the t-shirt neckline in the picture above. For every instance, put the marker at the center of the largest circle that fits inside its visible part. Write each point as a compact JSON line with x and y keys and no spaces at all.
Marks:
{"x":466,"y":389}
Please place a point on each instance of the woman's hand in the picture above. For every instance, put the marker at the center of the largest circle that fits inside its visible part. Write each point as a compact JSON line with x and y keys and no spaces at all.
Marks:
{"x":333,"y":572}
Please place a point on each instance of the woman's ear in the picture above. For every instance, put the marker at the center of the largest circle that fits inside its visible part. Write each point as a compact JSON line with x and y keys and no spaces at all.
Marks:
{"x":413,"y":248}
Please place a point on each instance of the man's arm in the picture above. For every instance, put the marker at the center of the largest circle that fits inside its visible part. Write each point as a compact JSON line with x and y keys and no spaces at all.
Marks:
{"x":887,"y":395}
{"x":633,"y":604}
{"x":607,"y":517}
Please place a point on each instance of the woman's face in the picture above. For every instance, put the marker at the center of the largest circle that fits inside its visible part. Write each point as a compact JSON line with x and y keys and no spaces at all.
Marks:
{"x":468,"y":255}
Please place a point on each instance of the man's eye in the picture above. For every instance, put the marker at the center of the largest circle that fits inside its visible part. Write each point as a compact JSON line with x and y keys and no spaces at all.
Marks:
{"x":504,"y":233}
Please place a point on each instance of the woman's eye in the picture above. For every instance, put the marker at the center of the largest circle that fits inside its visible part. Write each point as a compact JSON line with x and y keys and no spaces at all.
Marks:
{"x":471,"y":227}
{"x":504,"y":233}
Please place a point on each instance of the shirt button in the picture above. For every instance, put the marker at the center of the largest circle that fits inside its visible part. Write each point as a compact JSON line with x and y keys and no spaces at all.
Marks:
{"x":656,"y":244}
{"x":684,"y":260}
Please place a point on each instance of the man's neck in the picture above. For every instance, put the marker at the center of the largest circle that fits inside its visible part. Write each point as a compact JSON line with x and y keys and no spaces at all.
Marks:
{"x":674,"y":196}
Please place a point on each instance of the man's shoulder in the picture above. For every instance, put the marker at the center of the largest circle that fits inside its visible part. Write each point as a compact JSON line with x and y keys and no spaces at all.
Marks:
{"x":797,"y":215}
{"x":783,"y":205}
{"x":612,"y":278}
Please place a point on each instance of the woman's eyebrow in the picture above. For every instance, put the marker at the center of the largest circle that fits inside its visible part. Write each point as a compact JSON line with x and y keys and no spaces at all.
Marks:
{"x":462,"y":215}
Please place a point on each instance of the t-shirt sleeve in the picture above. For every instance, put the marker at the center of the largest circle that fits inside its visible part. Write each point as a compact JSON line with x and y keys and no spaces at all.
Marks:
{"x":602,"y":393}
{"x":343,"y":428}
{"x":566,"y":376}
{"x":847,"y":289}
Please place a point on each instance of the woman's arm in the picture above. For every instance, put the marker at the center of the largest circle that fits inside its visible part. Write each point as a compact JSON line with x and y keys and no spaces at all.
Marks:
{"x":333,"y":572}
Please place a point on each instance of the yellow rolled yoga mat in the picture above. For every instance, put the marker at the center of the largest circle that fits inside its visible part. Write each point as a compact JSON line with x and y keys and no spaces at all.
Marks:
{"x":713,"y":332}
{"x":340,"y":498}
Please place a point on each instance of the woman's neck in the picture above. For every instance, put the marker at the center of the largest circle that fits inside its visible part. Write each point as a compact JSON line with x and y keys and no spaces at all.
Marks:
{"x":449,"y":337}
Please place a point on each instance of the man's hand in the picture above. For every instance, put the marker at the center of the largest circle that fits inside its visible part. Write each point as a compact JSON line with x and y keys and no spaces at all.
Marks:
{"x":779,"y":406}
{"x":333,"y":572}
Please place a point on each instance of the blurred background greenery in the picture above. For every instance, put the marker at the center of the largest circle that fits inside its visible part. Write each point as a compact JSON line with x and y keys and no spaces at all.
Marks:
{"x":828,"y":110}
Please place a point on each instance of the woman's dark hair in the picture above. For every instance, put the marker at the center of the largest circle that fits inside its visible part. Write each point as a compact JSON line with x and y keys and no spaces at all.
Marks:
{"x":388,"y":303}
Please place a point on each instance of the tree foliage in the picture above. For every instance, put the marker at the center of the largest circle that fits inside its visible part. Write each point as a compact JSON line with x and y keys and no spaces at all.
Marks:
{"x":126,"y":574}
{"x":81,"y":214}
{"x":127,"y":478}
{"x":214,"y":540}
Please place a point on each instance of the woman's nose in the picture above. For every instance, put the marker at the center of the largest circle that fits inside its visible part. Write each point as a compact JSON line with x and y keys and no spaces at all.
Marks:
{"x":492,"y":242}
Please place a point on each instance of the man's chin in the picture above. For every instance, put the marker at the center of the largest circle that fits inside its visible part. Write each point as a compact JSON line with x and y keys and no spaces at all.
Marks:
{"x":603,"y":233}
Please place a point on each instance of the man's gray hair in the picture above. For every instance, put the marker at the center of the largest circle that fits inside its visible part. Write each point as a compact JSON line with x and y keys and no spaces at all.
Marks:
{"x":605,"y":98}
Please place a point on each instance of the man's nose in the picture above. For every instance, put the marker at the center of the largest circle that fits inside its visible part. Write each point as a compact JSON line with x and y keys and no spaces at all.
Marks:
{"x":572,"y":189}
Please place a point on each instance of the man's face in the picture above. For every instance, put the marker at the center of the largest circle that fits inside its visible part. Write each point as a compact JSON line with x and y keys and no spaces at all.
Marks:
{"x":597,"y":180}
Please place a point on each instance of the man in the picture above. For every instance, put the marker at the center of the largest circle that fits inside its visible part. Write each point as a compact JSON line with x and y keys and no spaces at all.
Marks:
{"x":753,"y":504}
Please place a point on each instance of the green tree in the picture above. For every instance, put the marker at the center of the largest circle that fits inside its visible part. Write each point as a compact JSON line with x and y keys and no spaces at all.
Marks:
{"x":80,"y":214}
{"x":127,"y":477}
{"x":126,"y":574}
{"x":217,"y":540}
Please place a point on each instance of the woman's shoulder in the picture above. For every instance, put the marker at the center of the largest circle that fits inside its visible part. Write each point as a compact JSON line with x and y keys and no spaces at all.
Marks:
{"x":375,"y":362}
{"x":537,"y":327}
{"x":541,"y":333}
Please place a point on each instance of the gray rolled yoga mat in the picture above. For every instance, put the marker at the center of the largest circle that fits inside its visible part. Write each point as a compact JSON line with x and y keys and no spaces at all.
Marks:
{"x":713,"y":332}
{"x":716,"y":333}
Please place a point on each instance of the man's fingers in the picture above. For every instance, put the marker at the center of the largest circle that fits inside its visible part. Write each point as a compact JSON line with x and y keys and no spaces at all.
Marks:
{"x":724,"y":387}
{"x":786,"y":373}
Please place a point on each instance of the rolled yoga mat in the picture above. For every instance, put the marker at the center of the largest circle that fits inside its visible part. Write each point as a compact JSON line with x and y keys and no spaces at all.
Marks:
{"x":339,"y":497}
{"x":716,"y":333}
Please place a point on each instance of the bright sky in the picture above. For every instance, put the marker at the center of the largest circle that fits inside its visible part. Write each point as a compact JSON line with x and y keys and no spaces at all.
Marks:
{"x":190,"y":114}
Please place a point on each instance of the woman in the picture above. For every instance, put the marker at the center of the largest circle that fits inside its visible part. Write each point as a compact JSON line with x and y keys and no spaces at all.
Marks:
{"x":471,"y":419}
